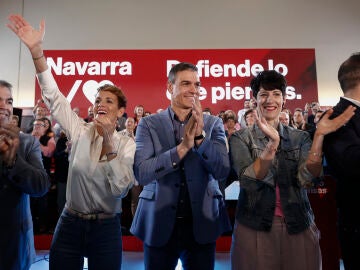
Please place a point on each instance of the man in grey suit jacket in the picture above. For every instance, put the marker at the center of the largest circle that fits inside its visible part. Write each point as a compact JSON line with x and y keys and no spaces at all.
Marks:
{"x":180,"y":156}
{"x":21,"y":174}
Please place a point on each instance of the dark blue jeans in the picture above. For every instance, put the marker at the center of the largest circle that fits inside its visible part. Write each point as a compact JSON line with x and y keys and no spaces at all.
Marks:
{"x":181,"y":245}
{"x":75,"y":238}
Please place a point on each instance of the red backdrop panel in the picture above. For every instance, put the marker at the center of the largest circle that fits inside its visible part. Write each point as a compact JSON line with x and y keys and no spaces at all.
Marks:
{"x":225,"y":74}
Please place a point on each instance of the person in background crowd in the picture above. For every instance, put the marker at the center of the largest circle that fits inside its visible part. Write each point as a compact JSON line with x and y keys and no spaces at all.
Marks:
{"x":342,"y":152}
{"x":241,"y":113}
{"x":229,"y":125}
{"x":39,"y":205}
{"x":252,"y":103}
{"x":130,"y":128}
{"x":299,"y":119}
{"x":21,"y":175}
{"x":250,"y":117}
{"x":43,"y":132}
{"x":291,"y":118}
{"x":221,"y":115}
{"x":39,"y":111}
{"x":284,"y":118}
{"x":231,"y":114}
{"x":318,"y":116}
{"x":15,"y":120}
{"x":47,"y":144}
{"x":136,"y":189}
{"x":100,"y":171}
{"x":120,"y":123}
{"x":90,"y":117}
{"x":207,"y":111}
{"x":138,"y":113}
{"x":300,"y":123}
{"x":61,"y":160}
{"x":180,"y":156}
{"x":274,"y":227}
{"x":314,"y":106}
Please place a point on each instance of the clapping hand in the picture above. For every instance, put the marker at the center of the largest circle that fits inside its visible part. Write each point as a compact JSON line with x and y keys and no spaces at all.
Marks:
{"x":268,"y":130}
{"x":9,"y":143}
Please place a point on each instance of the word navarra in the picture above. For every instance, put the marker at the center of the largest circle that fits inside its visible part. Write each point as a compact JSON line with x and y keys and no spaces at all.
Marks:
{"x":89,"y":68}
{"x":205,"y":69}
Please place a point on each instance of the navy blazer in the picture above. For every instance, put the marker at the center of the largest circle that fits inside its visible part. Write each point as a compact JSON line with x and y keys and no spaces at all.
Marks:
{"x":27,"y":177}
{"x":342,"y":153}
{"x":204,"y":166}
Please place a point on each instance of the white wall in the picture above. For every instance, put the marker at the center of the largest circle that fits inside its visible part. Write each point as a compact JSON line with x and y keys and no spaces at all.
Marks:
{"x":329,"y":26}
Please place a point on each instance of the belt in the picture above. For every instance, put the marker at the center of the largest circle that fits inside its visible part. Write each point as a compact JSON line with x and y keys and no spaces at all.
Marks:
{"x":89,"y":216}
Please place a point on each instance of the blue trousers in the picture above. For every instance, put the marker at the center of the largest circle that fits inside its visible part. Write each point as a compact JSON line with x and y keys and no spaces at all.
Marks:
{"x":75,"y":238}
{"x":181,"y":245}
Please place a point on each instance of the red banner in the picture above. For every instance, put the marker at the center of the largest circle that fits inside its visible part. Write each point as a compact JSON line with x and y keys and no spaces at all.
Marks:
{"x":225,"y":75}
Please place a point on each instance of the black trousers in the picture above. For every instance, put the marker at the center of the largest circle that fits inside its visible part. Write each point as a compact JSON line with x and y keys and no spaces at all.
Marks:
{"x":181,"y":245}
{"x":349,"y":237}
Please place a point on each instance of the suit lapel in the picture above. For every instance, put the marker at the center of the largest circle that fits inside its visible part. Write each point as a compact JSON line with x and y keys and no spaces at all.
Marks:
{"x":167,"y":128}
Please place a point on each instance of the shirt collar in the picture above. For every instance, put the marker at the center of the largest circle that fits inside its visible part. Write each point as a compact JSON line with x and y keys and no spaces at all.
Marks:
{"x":174,"y":116}
{"x":356,"y":102}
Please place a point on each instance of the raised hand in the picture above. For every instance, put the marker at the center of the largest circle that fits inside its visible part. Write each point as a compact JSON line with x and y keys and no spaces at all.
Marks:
{"x":326,"y":125}
{"x":31,"y":37}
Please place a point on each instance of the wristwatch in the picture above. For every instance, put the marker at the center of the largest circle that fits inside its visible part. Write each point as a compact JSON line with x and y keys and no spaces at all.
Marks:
{"x":201,"y":136}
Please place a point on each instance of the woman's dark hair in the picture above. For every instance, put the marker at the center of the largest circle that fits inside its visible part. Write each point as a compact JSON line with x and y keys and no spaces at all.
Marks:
{"x":269,"y":80}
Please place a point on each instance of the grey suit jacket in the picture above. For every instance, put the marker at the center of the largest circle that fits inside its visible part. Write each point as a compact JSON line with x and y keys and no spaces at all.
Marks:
{"x":204,"y":166}
{"x":27,"y":177}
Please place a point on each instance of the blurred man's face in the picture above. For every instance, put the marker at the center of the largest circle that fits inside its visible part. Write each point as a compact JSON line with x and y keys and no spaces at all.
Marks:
{"x":284,"y":118}
{"x":6,"y":105}
{"x":40,"y":112}
{"x":39,"y":128}
{"x":247,"y":104}
{"x":315,"y":107}
{"x":252,"y":104}
{"x":14,"y":122}
{"x":91,"y":111}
